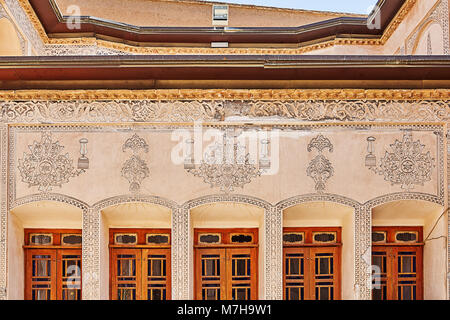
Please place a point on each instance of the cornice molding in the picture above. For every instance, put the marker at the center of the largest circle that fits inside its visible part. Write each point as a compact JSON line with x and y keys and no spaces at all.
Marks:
{"x":405,"y":9}
{"x":225,"y":94}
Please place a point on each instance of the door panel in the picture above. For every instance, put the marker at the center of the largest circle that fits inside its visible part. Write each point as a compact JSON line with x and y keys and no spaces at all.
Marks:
{"x":399,"y":274}
{"x":126,"y":274}
{"x":40,"y":273}
{"x":294,"y":271}
{"x":69,"y":273}
{"x":156,"y":274}
{"x":241,"y":271}
{"x":324,"y":265}
{"x":211,"y":274}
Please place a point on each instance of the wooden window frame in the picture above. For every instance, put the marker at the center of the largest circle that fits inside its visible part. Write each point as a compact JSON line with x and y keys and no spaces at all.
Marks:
{"x":225,"y":250}
{"x":141,"y":249}
{"x":392,"y":248}
{"x":308,"y":249}
{"x":56,"y":251}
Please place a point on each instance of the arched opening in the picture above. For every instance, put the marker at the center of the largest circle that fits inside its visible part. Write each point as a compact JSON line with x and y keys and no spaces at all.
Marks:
{"x":317,"y":218}
{"x":9,"y":40}
{"x":49,"y":215}
{"x":136,"y":251}
{"x":407,"y":216}
{"x":222,"y":222}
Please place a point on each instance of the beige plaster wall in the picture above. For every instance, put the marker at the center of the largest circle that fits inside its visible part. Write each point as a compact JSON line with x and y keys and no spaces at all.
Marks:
{"x":420,"y":213}
{"x":327,"y":214}
{"x":171,"y":181}
{"x":435,"y":34}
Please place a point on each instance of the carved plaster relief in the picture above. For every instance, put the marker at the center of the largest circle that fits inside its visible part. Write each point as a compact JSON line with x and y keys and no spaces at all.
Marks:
{"x":45,"y":166}
{"x":135,"y":169}
{"x":407,"y":164}
{"x":84,"y":111}
{"x":320,"y":168}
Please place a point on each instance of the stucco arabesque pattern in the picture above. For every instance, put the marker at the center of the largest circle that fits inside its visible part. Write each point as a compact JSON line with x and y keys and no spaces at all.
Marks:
{"x":320,"y":168}
{"x":407,"y":164}
{"x":45,"y":166}
{"x":135,"y":169}
{"x":84,"y":111}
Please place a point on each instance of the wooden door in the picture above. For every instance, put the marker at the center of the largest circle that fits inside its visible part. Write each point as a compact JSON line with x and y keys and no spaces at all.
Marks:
{"x":311,"y":273}
{"x":324,"y":271}
{"x":226,"y":274}
{"x":40,"y":274}
{"x":399,"y":274}
{"x":156,"y":274}
{"x":126,"y":268}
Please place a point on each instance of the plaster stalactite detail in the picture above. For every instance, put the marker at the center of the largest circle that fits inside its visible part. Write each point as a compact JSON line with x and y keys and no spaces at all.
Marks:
{"x":45,"y":166}
{"x":135,"y":170}
{"x":3,"y":210}
{"x":407,"y":165}
{"x":320,"y":168}
{"x":217,"y":111}
{"x":91,"y":254}
{"x":273,"y":220}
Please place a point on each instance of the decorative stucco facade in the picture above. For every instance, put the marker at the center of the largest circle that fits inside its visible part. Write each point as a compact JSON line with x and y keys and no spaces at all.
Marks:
{"x":318,"y":132}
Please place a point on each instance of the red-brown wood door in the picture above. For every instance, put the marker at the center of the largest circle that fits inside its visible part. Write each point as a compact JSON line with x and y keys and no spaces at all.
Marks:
{"x":311,"y":273}
{"x":52,"y":274}
{"x":226,"y":274}
{"x":140,"y":274}
{"x":398,"y":274}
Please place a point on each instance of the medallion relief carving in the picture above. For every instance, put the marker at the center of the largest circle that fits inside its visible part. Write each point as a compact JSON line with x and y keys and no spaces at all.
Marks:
{"x":406,"y":164}
{"x":45,"y":166}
